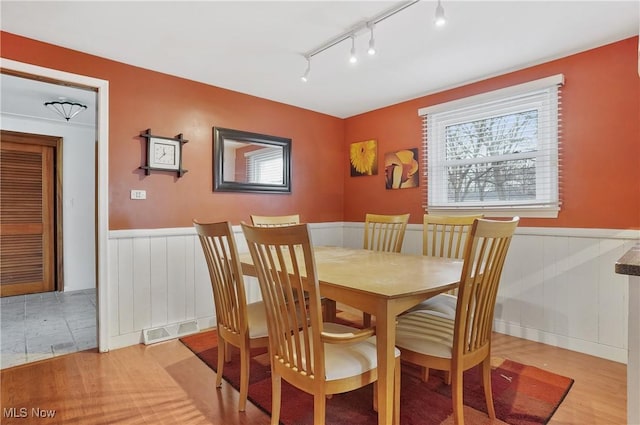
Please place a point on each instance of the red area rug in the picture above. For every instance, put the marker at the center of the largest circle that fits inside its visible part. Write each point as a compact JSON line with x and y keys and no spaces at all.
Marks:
{"x":523,"y":395}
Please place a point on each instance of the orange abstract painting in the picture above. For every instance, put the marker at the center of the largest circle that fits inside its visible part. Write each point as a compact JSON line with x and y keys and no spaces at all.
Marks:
{"x":401,"y":169}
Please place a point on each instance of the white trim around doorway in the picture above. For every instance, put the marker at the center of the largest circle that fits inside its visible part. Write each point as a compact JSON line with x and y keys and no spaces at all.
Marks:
{"x":102,"y":179}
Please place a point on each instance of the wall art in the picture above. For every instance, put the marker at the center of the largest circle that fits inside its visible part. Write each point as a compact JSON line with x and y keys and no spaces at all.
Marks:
{"x":401,"y":169}
{"x":363,"y":158}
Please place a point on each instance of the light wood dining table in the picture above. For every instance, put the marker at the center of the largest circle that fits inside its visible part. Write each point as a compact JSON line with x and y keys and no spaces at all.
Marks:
{"x":385,"y":285}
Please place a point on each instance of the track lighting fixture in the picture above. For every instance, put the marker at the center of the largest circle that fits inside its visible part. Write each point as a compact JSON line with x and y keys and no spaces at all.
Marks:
{"x":440,"y":19}
{"x":305,"y":76}
{"x":372,"y":42}
{"x":353,"y":58}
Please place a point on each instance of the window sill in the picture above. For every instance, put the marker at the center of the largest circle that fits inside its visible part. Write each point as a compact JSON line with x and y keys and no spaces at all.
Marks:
{"x":497,"y":212}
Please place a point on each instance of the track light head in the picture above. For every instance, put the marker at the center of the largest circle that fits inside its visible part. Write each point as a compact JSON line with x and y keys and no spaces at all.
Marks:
{"x":440,"y":20}
{"x":372,"y":42}
{"x":362,"y":26}
{"x":353,"y":58}
{"x":305,"y":76}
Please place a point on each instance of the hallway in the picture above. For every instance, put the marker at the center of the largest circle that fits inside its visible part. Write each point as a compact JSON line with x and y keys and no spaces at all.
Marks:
{"x":39,"y":326}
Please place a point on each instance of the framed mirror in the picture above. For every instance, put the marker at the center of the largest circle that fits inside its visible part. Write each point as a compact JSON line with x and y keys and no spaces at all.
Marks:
{"x":250,"y":162}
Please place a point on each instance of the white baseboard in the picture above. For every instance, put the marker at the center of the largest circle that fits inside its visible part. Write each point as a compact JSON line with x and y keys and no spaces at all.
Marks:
{"x":590,"y":348}
{"x":125,"y":340}
{"x":137,"y":337}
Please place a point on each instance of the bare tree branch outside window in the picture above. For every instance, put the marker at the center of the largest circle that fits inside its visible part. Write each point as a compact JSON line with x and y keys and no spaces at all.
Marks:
{"x":497,"y":152}
{"x":493,"y":158}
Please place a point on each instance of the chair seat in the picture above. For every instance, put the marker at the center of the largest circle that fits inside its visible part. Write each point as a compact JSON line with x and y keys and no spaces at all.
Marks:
{"x":345,"y":360}
{"x":441,"y":303}
{"x":426,"y":332}
{"x":257,"y":317}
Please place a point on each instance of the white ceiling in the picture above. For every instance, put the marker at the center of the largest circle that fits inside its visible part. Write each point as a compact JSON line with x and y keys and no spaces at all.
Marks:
{"x":257,"y":47}
{"x":25,"y":98}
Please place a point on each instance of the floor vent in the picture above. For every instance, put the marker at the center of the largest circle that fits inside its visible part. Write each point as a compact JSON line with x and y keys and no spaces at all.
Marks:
{"x":163,"y":333}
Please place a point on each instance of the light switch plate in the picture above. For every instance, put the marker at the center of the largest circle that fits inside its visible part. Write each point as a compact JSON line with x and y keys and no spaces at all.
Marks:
{"x":138,"y":194}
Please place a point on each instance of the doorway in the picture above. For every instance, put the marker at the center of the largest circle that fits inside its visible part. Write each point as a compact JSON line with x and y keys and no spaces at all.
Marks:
{"x":100,"y":167}
{"x":44,"y":316}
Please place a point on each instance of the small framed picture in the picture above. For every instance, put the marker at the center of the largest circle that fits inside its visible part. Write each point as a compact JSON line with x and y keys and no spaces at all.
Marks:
{"x":401,"y":169}
{"x":363,"y":158}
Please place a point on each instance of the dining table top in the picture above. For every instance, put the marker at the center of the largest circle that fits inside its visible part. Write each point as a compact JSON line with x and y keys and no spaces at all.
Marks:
{"x":383,"y":274}
{"x":386,"y":274}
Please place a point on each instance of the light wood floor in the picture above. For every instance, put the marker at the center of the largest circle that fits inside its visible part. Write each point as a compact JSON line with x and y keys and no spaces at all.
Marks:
{"x":166,"y":384}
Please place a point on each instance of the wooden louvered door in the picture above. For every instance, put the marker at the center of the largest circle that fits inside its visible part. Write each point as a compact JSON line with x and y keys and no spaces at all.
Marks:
{"x":27,"y":184}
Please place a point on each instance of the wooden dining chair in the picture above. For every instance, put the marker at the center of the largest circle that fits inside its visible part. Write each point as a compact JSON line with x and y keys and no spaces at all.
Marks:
{"x":383,"y":233}
{"x":446,"y":237}
{"x":432,"y":340}
{"x":329,"y":307}
{"x":238,"y":324}
{"x":319,"y":358}
{"x":275,"y":220}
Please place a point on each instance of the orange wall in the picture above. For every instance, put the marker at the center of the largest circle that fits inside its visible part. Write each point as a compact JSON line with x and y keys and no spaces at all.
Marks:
{"x":601,"y":144}
{"x":601,"y":177}
{"x":141,"y":99}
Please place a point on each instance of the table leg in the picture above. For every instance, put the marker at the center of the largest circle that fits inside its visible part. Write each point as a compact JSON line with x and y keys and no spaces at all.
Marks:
{"x":386,"y":337}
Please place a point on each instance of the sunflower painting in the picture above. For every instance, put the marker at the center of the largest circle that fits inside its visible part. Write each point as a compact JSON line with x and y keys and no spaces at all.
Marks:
{"x":401,"y":169}
{"x":363,"y":157}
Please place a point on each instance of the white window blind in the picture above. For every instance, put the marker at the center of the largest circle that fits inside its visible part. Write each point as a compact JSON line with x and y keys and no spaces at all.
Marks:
{"x":497,"y":153}
{"x":265,"y":166}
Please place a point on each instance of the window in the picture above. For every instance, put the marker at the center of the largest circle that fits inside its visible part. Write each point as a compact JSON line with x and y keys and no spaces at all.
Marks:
{"x":495,"y":153}
{"x":265,"y":166}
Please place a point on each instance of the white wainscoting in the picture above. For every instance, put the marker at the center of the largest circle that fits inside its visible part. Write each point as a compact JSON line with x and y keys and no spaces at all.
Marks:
{"x":159,"y":277}
{"x":558,"y":287}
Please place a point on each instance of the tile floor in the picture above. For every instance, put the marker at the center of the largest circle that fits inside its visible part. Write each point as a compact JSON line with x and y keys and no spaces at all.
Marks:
{"x":37,"y":326}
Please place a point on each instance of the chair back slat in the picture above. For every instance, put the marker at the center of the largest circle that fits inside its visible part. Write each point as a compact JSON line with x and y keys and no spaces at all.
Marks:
{"x":385,"y":232}
{"x":275,"y":220}
{"x":446,"y":236}
{"x":220,"y":252}
{"x":283,"y":259}
{"x":484,"y":260}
